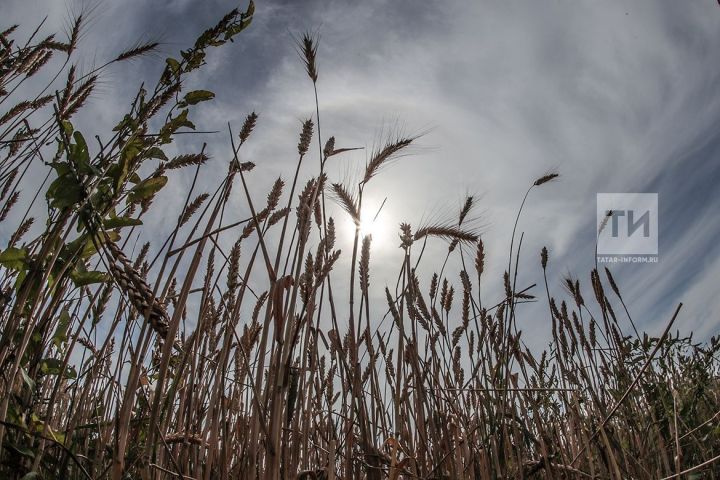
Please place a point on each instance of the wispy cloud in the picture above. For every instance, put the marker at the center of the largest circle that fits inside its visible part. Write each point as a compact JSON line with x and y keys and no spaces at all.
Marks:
{"x":618,"y":95}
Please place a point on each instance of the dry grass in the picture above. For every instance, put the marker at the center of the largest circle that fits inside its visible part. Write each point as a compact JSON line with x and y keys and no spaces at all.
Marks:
{"x":198,"y":362}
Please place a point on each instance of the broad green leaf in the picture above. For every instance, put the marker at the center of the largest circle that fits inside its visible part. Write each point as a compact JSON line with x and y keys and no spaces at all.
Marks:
{"x":13,"y":258}
{"x":173,"y":64}
{"x":62,"y":168}
{"x":181,"y":120}
{"x":64,"y":192}
{"x":128,"y":121}
{"x":51,"y":366}
{"x":147,"y":188}
{"x":88,"y":246}
{"x":131,"y":149}
{"x":194,"y":59}
{"x":79,"y":153}
{"x":247,"y":18}
{"x":59,"y":437}
{"x":68,"y":127}
{"x":20,"y":279}
{"x":119,"y":222}
{"x":185,"y":122}
{"x":119,"y":171}
{"x":81,"y":279}
{"x":26,"y":378}
{"x":74,"y":246}
{"x":197,"y":96}
{"x":60,"y":335}
{"x":156,"y":152}
{"x":70,"y":372}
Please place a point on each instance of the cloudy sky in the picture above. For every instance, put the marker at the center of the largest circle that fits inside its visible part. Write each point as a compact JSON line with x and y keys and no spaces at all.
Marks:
{"x":618,"y":96}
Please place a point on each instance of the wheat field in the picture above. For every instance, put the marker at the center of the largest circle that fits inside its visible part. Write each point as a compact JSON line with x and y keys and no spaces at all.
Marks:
{"x":167,"y":360}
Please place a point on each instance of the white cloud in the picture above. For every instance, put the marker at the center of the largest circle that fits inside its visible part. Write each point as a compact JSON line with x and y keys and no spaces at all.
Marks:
{"x":611,"y":93}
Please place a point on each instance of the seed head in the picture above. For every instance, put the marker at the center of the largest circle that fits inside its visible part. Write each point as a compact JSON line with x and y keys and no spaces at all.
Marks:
{"x":546,"y":178}
{"x":247,"y":127}
{"x":305,"y":137}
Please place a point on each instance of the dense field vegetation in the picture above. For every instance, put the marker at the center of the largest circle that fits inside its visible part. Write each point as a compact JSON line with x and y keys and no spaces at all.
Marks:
{"x":165,"y":363}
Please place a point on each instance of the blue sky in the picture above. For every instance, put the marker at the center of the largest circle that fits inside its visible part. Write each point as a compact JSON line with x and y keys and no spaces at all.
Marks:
{"x":619,"y":96}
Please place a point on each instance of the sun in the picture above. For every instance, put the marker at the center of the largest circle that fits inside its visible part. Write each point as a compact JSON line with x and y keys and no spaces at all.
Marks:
{"x":371,"y":224}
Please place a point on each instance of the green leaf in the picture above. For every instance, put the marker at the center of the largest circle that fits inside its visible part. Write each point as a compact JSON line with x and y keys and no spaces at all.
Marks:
{"x":26,"y":378}
{"x":193,"y":60}
{"x":62,"y":168}
{"x":79,"y":153}
{"x":54,"y":366}
{"x":119,"y":222}
{"x":68,"y":127}
{"x":127,"y":160}
{"x":248,"y":16}
{"x":60,"y":335}
{"x":13,"y":258}
{"x":31,"y":475}
{"x":173,"y":64}
{"x":127,"y":122}
{"x":59,"y":437}
{"x":64,"y":192}
{"x":20,"y":279}
{"x":25,"y":452}
{"x":175,"y":123}
{"x":80,"y":279}
{"x":119,"y":171}
{"x":88,"y":246}
{"x":51,"y":366}
{"x":197,"y":96}
{"x":147,"y":188}
{"x":72,"y":247}
{"x":70,"y":372}
{"x":156,"y":152}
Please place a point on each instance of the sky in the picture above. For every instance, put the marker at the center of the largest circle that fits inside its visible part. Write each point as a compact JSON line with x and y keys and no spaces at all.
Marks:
{"x":617,"y":96}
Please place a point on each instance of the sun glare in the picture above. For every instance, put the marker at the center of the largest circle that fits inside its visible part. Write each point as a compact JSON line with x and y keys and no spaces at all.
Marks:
{"x":369,"y":225}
